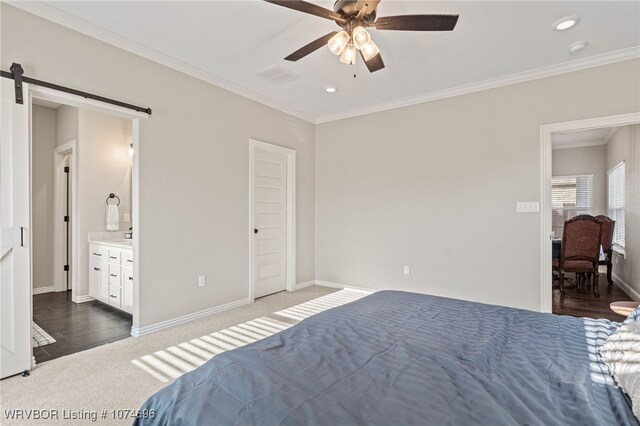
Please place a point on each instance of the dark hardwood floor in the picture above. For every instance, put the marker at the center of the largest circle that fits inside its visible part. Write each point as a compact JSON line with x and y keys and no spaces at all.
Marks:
{"x":76,"y":326}
{"x":585,"y":304}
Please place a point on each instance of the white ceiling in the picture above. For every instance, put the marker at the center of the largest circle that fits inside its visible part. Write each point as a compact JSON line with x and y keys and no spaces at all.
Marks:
{"x":583,"y":138}
{"x":228,"y":42}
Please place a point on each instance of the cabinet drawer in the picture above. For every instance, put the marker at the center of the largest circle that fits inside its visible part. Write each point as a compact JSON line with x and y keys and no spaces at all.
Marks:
{"x":114,"y":275}
{"x":98,"y":252}
{"x":114,"y":295}
{"x":114,"y":256}
{"x":127,"y":258}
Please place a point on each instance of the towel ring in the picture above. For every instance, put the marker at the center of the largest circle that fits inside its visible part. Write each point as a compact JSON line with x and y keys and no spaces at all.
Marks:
{"x":112,"y":195}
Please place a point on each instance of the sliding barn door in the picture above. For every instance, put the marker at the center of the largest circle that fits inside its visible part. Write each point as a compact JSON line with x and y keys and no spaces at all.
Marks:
{"x":15,"y":269}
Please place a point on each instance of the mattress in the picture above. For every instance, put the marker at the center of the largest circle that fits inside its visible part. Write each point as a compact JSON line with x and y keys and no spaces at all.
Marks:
{"x":399,"y":358}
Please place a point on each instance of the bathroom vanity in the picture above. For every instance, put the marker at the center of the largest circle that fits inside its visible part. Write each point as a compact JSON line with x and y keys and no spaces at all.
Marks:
{"x":111,"y":273}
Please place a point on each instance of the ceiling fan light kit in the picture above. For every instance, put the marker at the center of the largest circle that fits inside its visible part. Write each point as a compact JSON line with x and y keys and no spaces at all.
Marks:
{"x":338,"y":42}
{"x":369,"y":50}
{"x":360,"y":37}
{"x":348,"y":55}
{"x":354,"y":17}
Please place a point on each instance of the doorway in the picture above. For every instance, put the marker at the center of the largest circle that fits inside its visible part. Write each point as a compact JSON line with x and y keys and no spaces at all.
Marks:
{"x":272,"y":219}
{"x":75,"y":314}
{"x":577,"y":160}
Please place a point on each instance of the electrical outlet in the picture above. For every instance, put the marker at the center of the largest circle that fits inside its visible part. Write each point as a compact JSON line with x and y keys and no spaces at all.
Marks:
{"x":126,"y":217}
{"x":202,"y":281}
{"x":407,"y":271}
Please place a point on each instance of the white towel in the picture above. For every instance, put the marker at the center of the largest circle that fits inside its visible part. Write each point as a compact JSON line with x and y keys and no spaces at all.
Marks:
{"x":113,"y":218}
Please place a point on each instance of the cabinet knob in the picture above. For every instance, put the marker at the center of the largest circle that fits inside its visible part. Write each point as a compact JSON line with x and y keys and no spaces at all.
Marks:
{"x":111,"y":295}
{"x":96,"y":269}
{"x":97,"y":254}
{"x":130,"y":278}
{"x":112,"y":257}
{"x":113,"y":275}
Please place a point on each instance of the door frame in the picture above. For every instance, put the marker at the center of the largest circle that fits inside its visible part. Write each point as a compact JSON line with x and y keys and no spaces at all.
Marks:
{"x":59,"y":227}
{"x":546,"y":131}
{"x":43,"y":93}
{"x":291,"y":211}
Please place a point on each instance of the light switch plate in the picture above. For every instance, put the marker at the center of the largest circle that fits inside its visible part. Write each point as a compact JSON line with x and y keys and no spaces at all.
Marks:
{"x":527,"y":207}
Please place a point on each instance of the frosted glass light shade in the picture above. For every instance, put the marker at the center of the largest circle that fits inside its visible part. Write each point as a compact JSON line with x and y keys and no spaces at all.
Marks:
{"x":370,"y":50}
{"x":338,"y":42}
{"x":348,"y":55}
{"x":360,"y":37}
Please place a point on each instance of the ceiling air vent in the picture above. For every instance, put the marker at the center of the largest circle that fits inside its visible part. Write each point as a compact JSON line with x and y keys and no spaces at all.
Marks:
{"x":277,"y":75}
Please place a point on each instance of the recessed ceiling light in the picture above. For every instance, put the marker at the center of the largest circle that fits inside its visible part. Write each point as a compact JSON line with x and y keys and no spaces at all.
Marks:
{"x":565,"y":23}
{"x":331,"y":89}
{"x":577,"y":46}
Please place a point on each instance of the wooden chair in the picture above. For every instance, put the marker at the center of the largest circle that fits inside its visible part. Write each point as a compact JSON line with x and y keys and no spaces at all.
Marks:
{"x":580,"y":249}
{"x":606,"y":242}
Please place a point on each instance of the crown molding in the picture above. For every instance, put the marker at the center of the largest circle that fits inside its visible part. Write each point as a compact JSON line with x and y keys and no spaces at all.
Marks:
{"x":579,"y":145}
{"x":611,"y":134}
{"x":53,"y":14}
{"x":57,"y":16}
{"x":538,"y":73}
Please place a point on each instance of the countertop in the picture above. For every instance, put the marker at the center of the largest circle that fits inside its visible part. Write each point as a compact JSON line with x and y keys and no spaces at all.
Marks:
{"x":119,"y":243}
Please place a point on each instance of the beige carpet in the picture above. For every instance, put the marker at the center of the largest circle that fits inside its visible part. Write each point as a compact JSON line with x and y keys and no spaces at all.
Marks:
{"x":122,"y":375}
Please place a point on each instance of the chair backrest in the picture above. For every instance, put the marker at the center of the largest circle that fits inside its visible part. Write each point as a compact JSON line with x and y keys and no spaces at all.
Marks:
{"x":581,"y":239}
{"x":608,"y":225}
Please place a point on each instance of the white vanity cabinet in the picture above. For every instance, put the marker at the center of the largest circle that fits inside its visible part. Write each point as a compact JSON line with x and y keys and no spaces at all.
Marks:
{"x":111,"y":274}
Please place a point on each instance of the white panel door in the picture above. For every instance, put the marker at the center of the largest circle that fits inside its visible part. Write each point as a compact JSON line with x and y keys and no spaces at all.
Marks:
{"x":15,"y":247}
{"x":270,"y":222}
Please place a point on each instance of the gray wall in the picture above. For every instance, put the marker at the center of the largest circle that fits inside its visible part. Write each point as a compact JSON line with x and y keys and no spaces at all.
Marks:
{"x":434,"y":186}
{"x":194,"y":164}
{"x":43,"y":142}
{"x":583,"y":161}
{"x":66,"y":124}
{"x":625,"y":146}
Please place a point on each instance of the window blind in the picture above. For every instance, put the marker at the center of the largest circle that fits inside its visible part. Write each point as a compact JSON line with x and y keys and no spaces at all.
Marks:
{"x":616,"y":202}
{"x":570,"y":196}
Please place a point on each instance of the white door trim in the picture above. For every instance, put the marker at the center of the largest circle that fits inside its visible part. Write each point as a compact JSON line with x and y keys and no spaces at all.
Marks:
{"x":545,"y":188}
{"x":69,"y":148}
{"x":291,"y":211}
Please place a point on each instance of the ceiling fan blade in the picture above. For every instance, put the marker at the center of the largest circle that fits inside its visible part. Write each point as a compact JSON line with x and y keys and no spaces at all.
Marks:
{"x":374,"y":64}
{"x":310,"y":8}
{"x":310,"y":48}
{"x":417,"y":22}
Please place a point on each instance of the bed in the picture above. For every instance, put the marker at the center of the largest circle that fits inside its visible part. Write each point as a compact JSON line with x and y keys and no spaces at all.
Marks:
{"x":399,"y":358}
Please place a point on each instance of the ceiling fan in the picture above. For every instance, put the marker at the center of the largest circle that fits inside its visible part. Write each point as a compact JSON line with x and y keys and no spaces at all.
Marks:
{"x":354,"y":17}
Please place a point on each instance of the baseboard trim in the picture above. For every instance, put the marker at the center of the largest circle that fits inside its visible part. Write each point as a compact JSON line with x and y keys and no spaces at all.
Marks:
{"x":344,"y":286}
{"x":305,"y":284}
{"x":40,"y":290}
{"x":82,"y":299}
{"x":163,"y":325}
{"x":626,"y":287}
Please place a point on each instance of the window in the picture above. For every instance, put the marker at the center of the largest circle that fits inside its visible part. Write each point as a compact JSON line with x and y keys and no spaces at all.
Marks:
{"x":616,"y":203}
{"x":570,"y":196}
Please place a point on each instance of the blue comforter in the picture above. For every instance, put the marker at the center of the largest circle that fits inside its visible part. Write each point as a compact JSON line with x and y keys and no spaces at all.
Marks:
{"x":397,"y":358}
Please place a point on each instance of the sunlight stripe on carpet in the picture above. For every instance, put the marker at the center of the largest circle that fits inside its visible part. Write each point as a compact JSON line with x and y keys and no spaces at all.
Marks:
{"x":170,"y":363}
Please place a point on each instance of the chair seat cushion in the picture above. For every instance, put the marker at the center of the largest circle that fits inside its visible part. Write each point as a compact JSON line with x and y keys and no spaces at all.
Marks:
{"x":574,"y":265}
